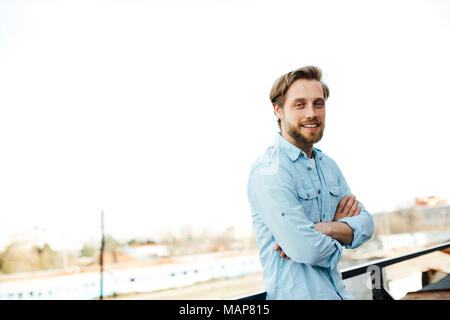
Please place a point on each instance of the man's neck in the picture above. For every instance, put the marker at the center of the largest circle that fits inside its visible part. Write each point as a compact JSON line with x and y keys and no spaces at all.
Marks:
{"x":305,"y":148}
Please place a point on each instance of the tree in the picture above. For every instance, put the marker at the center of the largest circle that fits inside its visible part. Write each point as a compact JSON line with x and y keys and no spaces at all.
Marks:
{"x":18,"y":258}
{"x":48,"y":259}
{"x":88,"y":251}
{"x":111,"y":243}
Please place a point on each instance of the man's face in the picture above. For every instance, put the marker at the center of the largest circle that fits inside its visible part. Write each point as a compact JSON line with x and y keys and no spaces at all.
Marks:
{"x":303,"y":114}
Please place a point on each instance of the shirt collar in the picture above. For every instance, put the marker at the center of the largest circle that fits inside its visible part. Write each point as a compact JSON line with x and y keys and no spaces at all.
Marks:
{"x":292,"y":151}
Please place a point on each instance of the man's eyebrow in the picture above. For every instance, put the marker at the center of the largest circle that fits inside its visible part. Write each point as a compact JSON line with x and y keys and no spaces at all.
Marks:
{"x":303,"y":99}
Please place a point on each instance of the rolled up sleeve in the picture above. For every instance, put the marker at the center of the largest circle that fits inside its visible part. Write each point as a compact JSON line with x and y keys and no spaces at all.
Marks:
{"x":361,"y":224}
{"x":273,"y":198}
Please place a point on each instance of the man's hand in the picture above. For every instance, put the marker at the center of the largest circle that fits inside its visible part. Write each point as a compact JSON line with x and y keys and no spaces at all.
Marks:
{"x":323,"y":227}
{"x":348,"y":207}
{"x":282,"y":254}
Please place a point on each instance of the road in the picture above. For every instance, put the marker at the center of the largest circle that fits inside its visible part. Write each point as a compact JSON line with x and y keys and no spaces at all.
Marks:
{"x":217,"y":289}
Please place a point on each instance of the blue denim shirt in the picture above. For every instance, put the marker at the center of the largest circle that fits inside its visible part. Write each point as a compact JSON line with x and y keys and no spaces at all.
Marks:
{"x":287,"y":196}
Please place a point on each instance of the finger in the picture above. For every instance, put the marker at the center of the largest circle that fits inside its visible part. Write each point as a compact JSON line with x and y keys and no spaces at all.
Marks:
{"x":277,"y":247}
{"x":342,"y":204}
{"x":348,"y":206}
{"x":358,"y":211}
{"x":353,"y":209}
{"x":282,"y":254}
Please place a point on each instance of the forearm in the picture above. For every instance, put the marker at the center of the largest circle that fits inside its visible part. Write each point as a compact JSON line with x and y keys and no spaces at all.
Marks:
{"x":339,"y":231}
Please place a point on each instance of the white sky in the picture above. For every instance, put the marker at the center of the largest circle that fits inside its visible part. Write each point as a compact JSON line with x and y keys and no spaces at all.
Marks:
{"x":153,"y":111}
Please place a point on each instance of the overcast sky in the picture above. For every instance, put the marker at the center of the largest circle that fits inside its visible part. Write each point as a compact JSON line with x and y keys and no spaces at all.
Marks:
{"x":153,"y":111}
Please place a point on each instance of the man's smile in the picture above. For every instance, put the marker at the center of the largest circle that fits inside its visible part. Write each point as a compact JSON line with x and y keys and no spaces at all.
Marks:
{"x":310,"y":126}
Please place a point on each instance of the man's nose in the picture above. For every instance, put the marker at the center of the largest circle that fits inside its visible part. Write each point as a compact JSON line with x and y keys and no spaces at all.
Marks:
{"x":310,"y":111}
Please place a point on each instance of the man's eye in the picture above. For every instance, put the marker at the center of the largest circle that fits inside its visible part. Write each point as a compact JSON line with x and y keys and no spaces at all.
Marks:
{"x":299,"y":105}
{"x":319,"y":104}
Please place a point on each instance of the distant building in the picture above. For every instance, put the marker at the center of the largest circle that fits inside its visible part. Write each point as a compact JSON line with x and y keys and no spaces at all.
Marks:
{"x":238,"y":232}
{"x":420,"y":218}
{"x":146,"y":251}
{"x":431,"y":201}
{"x":190,"y":232}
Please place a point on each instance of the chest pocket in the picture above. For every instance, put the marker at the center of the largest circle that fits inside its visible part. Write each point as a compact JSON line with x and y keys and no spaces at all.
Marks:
{"x":308,"y":200}
{"x":335,"y":196}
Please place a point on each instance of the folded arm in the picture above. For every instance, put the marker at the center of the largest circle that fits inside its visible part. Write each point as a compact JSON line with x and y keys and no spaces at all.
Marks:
{"x":348,"y":227}
{"x":274,"y":198}
{"x":341,"y":231}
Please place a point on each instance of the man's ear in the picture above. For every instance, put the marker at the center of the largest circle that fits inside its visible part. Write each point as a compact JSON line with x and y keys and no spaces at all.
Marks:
{"x":278,"y":111}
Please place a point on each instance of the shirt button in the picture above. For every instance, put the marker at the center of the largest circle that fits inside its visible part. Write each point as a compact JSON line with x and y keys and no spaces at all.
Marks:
{"x":318,"y":191}
{"x":309,"y":168}
{"x":282,"y":213}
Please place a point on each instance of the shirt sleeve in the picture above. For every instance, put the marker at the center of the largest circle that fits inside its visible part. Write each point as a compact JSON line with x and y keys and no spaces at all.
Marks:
{"x":274,"y":198}
{"x":361,"y":224}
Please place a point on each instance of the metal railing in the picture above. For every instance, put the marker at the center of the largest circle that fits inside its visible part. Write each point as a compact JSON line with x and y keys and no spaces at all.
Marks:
{"x":375,"y":268}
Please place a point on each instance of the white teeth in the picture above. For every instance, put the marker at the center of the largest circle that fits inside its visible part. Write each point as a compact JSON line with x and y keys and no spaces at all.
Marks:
{"x":310,"y":125}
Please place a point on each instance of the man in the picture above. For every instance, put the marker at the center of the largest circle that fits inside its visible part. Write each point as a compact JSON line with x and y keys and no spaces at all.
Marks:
{"x":302,"y":209}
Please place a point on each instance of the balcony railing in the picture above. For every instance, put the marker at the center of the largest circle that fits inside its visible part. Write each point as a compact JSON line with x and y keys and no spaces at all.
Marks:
{"x":375,"y":269}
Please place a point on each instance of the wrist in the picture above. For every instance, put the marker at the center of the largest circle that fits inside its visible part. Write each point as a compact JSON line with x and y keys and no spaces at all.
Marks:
{"x":330,"y":228}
